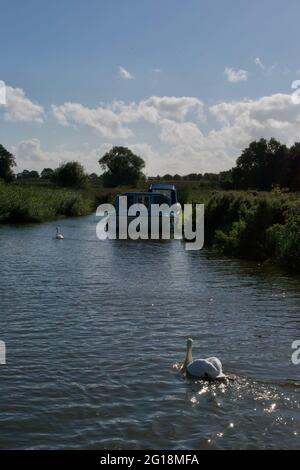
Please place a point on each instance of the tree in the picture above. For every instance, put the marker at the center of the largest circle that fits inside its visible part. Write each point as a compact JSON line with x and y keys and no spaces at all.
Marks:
{"x":34,"y":175}
{"x":47,"y":173}
{"x":7,"y":162}
{"x":294,"y":174}
{"x":226,"y":180}
{"x":28,"y":175}
{"x":192,"y":177}
{"x":93,"y":177}
{"x":262,"y":165}
{"x":70,"y":174}
{"x":121,"y":166}
{"x":24,"y":175}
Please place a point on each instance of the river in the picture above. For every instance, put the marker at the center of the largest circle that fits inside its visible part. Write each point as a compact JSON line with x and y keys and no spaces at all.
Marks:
{"x":92,"y":329}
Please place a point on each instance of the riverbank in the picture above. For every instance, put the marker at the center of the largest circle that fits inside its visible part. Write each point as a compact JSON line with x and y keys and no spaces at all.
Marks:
{"x":36,"y":202}
{"x":255,"y":226}
{"x":20,"y":204}
{"x":258,"y":226}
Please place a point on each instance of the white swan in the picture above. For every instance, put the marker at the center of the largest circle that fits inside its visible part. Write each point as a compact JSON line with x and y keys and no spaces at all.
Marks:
{"x":59,"y":236}
{"x":210,"y":368}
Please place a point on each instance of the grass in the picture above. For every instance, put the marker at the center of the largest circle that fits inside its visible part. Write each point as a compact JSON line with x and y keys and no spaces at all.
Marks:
{"x":40,"y":202}
{"x":21,"y":204}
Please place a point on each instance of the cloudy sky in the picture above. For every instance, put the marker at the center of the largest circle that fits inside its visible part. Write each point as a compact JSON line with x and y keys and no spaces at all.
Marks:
{"x":185,"y":84}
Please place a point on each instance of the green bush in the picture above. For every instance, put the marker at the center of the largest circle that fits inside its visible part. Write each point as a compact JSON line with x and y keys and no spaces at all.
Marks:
{"x":287,"y":239}
{"x":70,"y":175}
{"x":184,"y":195}
{"x":255,"y":226}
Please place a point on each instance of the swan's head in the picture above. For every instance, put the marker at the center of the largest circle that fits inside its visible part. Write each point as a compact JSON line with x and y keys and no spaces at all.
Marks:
{"x":189,"y":347}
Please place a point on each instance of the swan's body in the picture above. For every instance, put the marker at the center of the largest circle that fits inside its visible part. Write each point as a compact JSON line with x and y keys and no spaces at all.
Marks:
{"x":210,"y":368}
{"x":59,"y":236}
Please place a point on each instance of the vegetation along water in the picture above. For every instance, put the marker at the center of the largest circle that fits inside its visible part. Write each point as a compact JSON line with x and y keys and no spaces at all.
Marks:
{"x":251,"y":211}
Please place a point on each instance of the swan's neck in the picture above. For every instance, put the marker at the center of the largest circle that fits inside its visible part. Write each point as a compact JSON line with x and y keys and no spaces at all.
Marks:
{"x":188,"y":357}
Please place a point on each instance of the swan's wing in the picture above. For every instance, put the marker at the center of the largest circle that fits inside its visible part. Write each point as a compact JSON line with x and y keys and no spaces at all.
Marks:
{"x":202,"y":368}
{"x":217,"y":363}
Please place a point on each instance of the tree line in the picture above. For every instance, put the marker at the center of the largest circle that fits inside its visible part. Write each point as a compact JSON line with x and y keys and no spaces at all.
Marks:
{"x":120,"y":166}
{"x":263,"y":165}
{"x":70,"y":174}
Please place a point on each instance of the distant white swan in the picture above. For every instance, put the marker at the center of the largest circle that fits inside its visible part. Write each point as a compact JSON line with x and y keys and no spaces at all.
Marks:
{"x":210,"y":368}
{"x":59,"y":236}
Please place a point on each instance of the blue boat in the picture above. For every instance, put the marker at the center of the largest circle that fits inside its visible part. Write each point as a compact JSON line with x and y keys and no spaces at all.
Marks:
{"x":156,"y":194}
{"x":164,"y":195}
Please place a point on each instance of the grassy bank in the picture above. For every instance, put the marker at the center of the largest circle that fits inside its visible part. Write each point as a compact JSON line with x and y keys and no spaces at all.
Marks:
{"x":28,"y":204}
{"x":255,"y":226}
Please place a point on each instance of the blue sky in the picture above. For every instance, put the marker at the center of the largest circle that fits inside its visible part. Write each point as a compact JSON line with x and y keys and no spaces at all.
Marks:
{"x":185,"y":84}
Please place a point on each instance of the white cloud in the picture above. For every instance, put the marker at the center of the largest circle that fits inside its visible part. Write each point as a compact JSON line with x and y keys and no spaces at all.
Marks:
{"x":169,"y":132}
{"x":278,"y":107}
{"x":174,"y":124}
{"x":19,"y":108}
{"x":30,"y":151}
{"x":235,"y":76}
{"x":111,"y":121}
{"x":190,"y":149}
{"x":156,"y":108}
{"x":243,"y":121}
{"x":102,"y":119}
{"x":30,"y":154}
{"x":152,"y":158}
{"x":180,"y":133}
{"x":174,"y":107}
{"x":259,"y":63}
{"x":125,"y":74}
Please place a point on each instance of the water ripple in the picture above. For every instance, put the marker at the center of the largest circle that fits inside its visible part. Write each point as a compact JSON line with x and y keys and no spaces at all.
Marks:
{"x":92,"y":330}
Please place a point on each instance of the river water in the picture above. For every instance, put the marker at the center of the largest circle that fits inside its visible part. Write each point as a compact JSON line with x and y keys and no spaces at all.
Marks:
{"x":93,"y":328}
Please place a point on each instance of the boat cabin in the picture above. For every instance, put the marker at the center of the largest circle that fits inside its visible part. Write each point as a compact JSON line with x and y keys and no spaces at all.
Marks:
{"x":156,"y":194}
{"x":168,"y":190}
{"x":145,"y":198}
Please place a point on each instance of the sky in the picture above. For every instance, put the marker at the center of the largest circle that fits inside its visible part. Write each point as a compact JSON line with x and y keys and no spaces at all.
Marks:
{"x":185,"y":84}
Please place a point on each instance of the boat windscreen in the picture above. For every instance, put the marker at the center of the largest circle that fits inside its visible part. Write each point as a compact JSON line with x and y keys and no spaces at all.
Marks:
{"x":165,"y":192}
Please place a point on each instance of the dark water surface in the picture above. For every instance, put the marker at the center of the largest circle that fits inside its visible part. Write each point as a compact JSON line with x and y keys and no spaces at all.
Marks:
{"x":92,"y":329}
